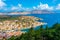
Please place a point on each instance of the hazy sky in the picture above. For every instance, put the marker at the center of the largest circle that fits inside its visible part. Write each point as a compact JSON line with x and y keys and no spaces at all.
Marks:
{"x":17,"y":5}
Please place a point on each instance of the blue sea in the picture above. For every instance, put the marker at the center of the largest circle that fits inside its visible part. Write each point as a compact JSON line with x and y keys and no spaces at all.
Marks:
{"x":50,"y":19}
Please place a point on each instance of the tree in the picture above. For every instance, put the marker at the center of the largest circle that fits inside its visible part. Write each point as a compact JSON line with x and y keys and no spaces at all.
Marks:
{"x":12,"y":38}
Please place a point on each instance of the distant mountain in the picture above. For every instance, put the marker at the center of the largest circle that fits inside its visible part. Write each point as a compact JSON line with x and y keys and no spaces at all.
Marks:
{"x":41,"y":11}
{"x":27,"y":12}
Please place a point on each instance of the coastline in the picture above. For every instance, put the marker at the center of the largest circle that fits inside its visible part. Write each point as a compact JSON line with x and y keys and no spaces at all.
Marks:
{"x":11,"y":27}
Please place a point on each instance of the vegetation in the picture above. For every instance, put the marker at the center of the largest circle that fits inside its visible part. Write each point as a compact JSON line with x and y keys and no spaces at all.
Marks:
{"x":52,"y":33}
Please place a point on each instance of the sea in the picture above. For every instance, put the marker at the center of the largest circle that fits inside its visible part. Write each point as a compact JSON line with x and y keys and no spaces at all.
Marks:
{"x":50,"y":19}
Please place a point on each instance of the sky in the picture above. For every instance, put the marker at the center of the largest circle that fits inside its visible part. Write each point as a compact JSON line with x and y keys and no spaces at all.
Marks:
{"x":18,"y":5}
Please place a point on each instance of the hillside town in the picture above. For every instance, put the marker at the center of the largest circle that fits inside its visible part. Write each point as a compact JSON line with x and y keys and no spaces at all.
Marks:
{"x":12,"y":27}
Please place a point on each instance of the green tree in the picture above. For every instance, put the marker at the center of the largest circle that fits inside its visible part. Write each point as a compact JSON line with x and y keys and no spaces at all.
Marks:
{"x":12,"y":38}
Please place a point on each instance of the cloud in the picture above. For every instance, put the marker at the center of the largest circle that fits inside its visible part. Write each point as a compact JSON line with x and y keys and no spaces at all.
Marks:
{"x":26,"y":9}
{"x":58,"y":7}
{"x":2,"y":4}
{"x":43,"y":7}
{"x":14,"y":8}
{"x":34,"y":7}
{"x":19,"y":6}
